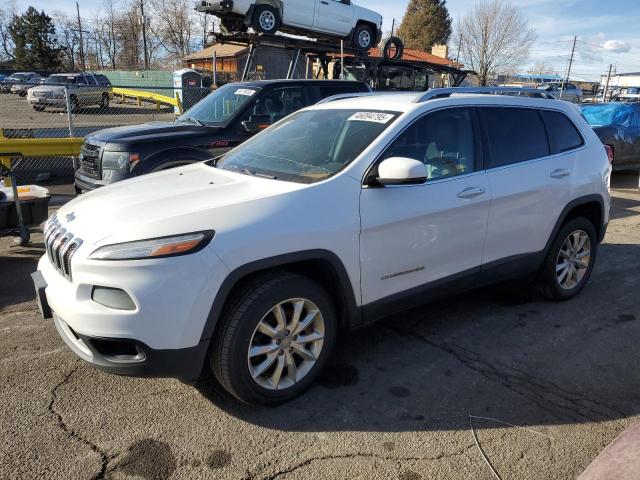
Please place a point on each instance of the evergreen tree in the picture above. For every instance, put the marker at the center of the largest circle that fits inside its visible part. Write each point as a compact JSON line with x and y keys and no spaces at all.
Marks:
{"x":425,"y":23}
{"x":33,"y":35}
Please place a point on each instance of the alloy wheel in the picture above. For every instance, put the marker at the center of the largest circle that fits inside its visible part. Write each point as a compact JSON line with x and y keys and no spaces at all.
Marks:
{"x":573,"y":259}
{"x":364,"y":39}
{"x":286,"y":344}
{"x":267,"y":20}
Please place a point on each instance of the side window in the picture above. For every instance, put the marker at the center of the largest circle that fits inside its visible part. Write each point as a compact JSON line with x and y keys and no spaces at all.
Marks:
{"x":280,"y":102}
{"x":331,"y":90}
{"x":563,"y":134}
{"x":80,"y":81}
{"x":515,"y":135}
{"x":91,"y":80}
{"x":443,"y":141}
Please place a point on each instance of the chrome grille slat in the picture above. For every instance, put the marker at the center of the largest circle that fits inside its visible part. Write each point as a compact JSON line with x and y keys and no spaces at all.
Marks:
{"x":61,"y":245}
{"x":90,"y":160}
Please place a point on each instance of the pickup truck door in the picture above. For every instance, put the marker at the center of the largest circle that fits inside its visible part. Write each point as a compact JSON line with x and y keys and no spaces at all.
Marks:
{"x":334,"y":16}
{"x":299,"y":13}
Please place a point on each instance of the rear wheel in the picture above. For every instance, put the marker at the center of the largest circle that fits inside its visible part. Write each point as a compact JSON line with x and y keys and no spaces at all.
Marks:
{"x":570,"y":260}
{"x":104,"y":101}
{"x":266,"y":19}
{"x":274,"y":339}
{"x":37,"y":108}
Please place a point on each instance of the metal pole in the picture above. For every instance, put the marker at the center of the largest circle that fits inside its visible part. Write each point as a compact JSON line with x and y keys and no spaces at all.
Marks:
{"x":341,"y":59}
{"x":564,"y":82}
{"x":215,"y":68}
{"x":459,"y":48}
{"x":81,"y":41}
{"x":246,"y":65}
{"x":393,"y":26}
{"x":606,"y":88}
{"x":144,"y":36}
{"x":293,"y":64}
{"x":306,"y":68}
{"x":69,"y":113}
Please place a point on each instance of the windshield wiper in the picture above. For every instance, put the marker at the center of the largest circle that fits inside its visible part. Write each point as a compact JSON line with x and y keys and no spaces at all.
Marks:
{"x":246,"y":171}
{"x":194,"y":120}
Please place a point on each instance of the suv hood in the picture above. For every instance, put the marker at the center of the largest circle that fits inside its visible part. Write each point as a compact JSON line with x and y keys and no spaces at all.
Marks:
{"x":48,"y":88}
{"x":182,"y":200}
{"x":147,"y":132}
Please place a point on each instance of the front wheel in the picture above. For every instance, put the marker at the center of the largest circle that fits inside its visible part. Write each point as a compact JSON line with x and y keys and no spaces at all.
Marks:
{"x":363,"y":37}
{"x":275,"y":337}
{"x":570,"y":260}
{"x":266,"y":19}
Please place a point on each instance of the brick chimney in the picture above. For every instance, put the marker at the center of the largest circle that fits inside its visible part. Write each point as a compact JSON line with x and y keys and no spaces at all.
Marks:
{"x":441,"y":51}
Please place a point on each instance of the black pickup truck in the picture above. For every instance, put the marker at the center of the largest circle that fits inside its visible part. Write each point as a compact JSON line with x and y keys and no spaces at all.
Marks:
{"x":216,"y":124}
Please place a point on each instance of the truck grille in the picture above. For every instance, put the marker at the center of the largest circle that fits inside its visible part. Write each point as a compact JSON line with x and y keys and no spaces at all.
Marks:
{"x":61,"y":246}
{"x":90,"y":160}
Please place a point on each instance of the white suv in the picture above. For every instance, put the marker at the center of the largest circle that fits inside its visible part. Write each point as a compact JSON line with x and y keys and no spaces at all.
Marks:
{"x":330,"y":18}
{"x":338,"y":215}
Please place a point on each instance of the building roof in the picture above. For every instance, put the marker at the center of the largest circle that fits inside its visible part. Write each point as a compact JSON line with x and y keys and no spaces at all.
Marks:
{"x":419,"y":56}
{"x":221,"y":50}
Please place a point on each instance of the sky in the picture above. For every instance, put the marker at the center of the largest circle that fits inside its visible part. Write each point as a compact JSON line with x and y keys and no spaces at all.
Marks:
{"x":607,"y":31}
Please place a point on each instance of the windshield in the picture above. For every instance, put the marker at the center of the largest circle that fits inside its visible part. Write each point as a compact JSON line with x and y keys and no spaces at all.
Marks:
{"x":611,"y":114}
{"x":61,"y":79}
{"x":219,"y":106}
{"x":308,"y":146}
{"x":18,"y":76}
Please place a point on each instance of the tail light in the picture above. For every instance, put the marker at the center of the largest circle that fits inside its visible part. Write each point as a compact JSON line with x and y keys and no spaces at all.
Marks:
{"x":610,"y":152}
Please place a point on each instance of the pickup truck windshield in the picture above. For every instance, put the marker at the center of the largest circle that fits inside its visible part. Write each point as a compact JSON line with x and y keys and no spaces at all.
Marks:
{"x":219,"y":106}
{"x":308,"y":146}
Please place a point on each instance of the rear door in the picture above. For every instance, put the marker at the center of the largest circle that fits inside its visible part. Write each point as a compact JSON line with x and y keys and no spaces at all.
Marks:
{"x":334,"y":16}
{"x":530,"y":179}
{"x":300,"y":13}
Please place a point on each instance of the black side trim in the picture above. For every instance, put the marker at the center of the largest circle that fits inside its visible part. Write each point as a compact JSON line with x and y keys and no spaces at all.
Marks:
{"x":351,"y":310}
{"x":420,"y":295}
{"x":570,"y":206}
{"x":517,"y":266}
{"x":40,"y":285}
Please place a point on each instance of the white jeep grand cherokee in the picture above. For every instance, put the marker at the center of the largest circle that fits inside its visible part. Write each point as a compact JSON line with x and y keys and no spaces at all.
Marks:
{"x":361,"y":27}
{"x":338,"y":215}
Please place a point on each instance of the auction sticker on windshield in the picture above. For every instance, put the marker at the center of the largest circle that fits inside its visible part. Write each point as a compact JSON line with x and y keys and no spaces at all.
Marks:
{"x":371,"y":117}
{"x":245,"y":91}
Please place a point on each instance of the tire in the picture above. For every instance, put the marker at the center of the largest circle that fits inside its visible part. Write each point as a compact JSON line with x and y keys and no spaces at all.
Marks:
{"x":104,"y":101}
{"x":38,"y":109}
{"x":551,"y":283}
{"x":266,"y":19}
{"x":363,"y":37}
{"x":75,"y":104}
{"x":233,"y":25}
{"x":230,"y":359}
{"x":395,"y":45}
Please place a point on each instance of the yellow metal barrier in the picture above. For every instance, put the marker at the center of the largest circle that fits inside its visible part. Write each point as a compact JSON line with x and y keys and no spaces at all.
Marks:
{"x":140,"y":95}
{"x":41,"y":147}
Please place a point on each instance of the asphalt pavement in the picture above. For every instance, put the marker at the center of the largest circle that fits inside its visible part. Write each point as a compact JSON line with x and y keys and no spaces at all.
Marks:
{"x":400,"y":400}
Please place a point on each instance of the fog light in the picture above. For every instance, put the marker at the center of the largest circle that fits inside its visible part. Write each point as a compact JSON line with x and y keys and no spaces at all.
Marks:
{"x":113,"y":298}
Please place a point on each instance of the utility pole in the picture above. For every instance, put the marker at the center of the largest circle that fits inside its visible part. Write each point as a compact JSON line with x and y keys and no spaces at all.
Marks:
{"x":606,"y":88}
{"x":81,"y":41}
{"x":393,"y":26}
{"x":459,"y":48}
{"x":565,"y":81}
{"x":144,"y":36}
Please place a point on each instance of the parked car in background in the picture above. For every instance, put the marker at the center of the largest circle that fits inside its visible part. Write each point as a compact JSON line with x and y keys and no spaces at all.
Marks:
{"x":563,"y":91}
{"x":216,"y":124}
{"x":343,"y":213}
{"x":85,"y":89}
{"x":21,"y":87}
{"x":18,"y":77}
{"x":618,"y":126}
{"x":627,"y":94}
{"x":332,"y":19}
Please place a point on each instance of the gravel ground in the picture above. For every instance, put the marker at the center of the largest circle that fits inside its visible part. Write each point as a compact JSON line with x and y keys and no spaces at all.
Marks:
{"x":394,"y":404}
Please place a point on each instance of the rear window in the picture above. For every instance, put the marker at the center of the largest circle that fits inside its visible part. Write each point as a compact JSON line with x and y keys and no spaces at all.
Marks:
{"x":515,"y":135}
{"x":563,"y":134}
{"x":102,"y":80}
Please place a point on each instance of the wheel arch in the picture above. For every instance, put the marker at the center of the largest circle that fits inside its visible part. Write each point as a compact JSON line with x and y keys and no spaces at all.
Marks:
{"x":321,"y":266}
{"x":158,"y":158}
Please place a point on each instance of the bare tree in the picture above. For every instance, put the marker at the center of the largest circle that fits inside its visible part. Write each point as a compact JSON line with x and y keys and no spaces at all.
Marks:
{"x":66,"y":31}
{"x":129,"y":34}
{"x":540,"y":68}
{"x":6,"y":15}
{"x":495,"y":38}
{"x":175,"y":26}
{"x":106,"y":31}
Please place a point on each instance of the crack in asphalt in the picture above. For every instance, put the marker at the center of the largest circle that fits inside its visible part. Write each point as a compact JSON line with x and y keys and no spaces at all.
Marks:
{"x":104,"y":458}
{"x":558,"y":401}
{"x":348,"y":456}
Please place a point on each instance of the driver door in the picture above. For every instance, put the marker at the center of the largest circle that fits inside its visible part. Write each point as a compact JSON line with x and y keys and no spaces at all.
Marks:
{"x":334,"y":16}
{"x":416,"y":236}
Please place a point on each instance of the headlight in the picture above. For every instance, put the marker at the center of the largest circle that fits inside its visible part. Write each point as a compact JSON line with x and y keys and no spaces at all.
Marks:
{"x":118,"y":161}
{"x":154,"y":247}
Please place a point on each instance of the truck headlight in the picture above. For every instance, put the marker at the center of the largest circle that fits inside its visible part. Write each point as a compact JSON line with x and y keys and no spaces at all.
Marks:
{"x":118,"y":161}
{"x":155,"y":247}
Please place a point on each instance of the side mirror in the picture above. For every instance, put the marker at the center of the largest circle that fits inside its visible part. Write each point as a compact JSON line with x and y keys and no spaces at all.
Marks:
{"x":401,"y":171}
{"x":256,"y":123}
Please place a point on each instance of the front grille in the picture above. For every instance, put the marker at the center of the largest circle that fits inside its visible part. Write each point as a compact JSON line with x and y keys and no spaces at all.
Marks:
{"x":90,"y":160}
{"x":61,"y":246}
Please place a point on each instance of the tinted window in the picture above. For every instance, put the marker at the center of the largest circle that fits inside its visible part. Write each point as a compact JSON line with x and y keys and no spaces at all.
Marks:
{"x":91,"y":80}
{"x":81,"y":81}
{"x":102,"y":80}
{"x":331,"y":90}
{"x":280,"y":102}
{"x":515,"y":135}
{"x":563,"y":135}
{"x":443,"y":141}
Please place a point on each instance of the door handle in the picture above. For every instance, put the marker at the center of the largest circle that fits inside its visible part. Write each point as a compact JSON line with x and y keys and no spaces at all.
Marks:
{"x":560,"y":173}
{"x":471,"y":192}
{"x":325,"y":3}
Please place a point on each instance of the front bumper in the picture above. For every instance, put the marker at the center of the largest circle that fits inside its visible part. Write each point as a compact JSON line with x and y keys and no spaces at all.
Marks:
{"x":47,"y":102}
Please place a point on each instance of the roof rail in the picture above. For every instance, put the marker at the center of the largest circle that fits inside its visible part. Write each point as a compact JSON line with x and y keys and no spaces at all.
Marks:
{"x":343,"y":96}
{"x":511,"y":91}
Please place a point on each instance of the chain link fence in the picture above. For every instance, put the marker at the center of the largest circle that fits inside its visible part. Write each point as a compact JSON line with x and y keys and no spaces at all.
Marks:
{"x":60,"y":110}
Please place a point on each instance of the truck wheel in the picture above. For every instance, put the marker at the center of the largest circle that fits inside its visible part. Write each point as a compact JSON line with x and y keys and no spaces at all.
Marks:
{"x":275,"y":337}
{"x":104,"y":101}
{"x":75,"y":104}
{"x":363,"y":37}
{"x":393,"y":49}
{"x":38,"y":109}
{"x":570,"y":260}
{"x":266,"y":19}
